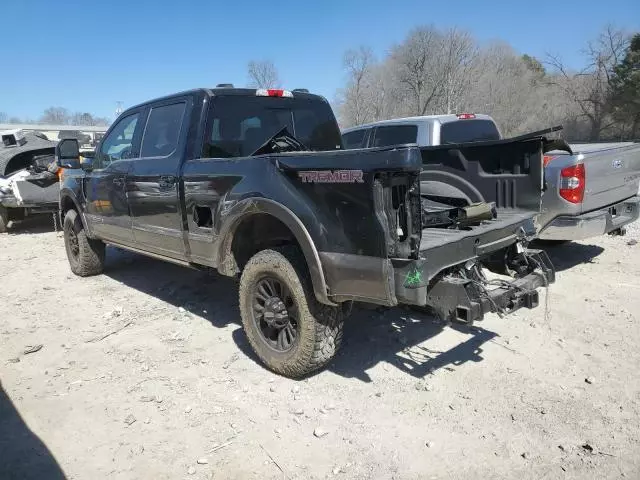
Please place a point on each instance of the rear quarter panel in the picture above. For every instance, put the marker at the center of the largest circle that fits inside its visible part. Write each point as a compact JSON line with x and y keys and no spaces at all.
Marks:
{"x":337,"y":215}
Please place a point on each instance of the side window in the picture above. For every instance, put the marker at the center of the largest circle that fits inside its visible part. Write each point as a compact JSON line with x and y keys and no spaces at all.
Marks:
{"x":163,"y":129}
{"x":118,"y":145}
{"x":354,"y":139}
{"x":395,"y":135}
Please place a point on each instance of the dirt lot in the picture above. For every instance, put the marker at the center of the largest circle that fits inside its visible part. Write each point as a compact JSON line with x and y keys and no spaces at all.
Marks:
{"x":144,"y":372}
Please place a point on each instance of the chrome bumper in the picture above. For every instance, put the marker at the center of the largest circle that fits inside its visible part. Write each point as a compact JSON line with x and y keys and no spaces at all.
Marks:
{"x":592,"y":224}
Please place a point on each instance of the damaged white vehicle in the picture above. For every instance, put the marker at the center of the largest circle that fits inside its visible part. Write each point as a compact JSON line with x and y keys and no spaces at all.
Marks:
{"x":29,"y":177}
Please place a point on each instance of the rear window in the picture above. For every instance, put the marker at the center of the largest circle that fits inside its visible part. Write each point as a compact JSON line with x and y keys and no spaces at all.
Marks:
{"x":239,"y":125}
{"x":462,"y":131}
{"x":395,"y":135}
{"x":354,"y":139}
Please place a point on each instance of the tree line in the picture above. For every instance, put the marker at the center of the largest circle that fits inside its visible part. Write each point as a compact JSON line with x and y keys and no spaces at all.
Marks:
{"x":60,"y":116}
{"x":435,"y":71}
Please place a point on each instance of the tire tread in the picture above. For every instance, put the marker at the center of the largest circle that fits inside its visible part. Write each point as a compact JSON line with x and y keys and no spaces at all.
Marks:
{"x":318,"y":345}
{"x":91,"y":258}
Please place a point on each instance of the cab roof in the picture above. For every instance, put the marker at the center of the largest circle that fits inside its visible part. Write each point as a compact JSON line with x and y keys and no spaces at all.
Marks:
{"x":444,"y":118}
{"x":222,"y":91}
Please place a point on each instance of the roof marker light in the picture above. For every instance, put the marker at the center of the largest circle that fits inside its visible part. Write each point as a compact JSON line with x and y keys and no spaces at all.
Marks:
{"x":272,"y":92}
{"x":466,"y":116}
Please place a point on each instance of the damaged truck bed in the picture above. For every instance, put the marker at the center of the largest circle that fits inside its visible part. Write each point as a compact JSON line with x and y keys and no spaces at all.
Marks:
{"x":456,"y":232}
{"x":29,"y":180}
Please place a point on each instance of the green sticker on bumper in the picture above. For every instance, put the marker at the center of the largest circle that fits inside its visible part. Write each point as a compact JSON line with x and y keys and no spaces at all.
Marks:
{"x":413,"y":278}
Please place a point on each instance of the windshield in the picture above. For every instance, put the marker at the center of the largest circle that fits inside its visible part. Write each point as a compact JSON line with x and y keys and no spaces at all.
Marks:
{"x":239,"y":125}
{"x":462,"y":131}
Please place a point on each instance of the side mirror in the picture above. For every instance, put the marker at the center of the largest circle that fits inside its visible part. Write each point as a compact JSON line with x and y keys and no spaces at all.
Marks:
{"x":68,"y":153}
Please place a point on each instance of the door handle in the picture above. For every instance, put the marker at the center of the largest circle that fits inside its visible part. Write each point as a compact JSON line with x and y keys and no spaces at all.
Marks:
{"x":118,"y":181}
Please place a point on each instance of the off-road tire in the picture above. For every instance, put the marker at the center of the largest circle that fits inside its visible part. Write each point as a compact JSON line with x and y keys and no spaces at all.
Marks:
{"x":4,"y":220}
{"x":320,"y":326}
{"x":89,"y":258}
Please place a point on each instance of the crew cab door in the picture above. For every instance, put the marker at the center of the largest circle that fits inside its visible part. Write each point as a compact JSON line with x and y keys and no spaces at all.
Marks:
{"x":105,"y":186}
{"x":152,"y":181}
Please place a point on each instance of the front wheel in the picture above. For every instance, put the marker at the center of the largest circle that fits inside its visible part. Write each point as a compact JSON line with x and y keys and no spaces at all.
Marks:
{"x":291,"y":332}
{"x":86,"y":256}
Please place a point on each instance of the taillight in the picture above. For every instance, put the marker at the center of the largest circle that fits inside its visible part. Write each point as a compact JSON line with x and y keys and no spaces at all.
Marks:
{"x":465,"y":116}
{"x":572,"y":183}
{"x":546,"y":159}
{"x":272,"y":92}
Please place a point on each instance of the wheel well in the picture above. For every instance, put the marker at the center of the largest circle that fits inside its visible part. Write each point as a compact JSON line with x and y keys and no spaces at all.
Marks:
{"x":66,"y":204}
{"x":255,"y":233}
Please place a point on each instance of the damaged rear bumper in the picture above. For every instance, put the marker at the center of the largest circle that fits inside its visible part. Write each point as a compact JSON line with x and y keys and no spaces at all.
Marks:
{"x":466,"y":300}
{"x":392,"y":282}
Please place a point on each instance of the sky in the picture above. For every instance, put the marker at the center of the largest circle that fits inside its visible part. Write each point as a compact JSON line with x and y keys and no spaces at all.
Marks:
{"x":88,"y":55}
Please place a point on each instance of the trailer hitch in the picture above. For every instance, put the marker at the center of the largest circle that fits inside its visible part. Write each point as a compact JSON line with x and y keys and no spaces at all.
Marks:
{"x":467,"y":295}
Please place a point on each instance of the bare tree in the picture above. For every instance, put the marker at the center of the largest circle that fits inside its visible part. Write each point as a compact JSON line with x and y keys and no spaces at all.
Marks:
{"x":438,"y":72}
{"x":263,"y":74}
{"x":507,"y":89}
{"x":3,"y":117}
{"x":590,"y":88}
{"x":417,"y":64}
{"x":56,"y":116}
{"x":85,"y":119}
{"x":459,"y":57}
{"x":358,"y":64}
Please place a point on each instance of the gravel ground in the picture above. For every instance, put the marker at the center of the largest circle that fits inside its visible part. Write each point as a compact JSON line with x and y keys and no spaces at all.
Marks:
{"x":144,"y":372}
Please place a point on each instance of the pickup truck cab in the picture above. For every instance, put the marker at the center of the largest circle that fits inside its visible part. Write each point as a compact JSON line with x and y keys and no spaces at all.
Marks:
{"x":591,"y":189}
{"x":257,"y":185}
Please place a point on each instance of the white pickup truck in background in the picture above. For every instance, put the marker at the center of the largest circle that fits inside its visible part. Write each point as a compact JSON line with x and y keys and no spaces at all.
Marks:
{"x":592,"y":190}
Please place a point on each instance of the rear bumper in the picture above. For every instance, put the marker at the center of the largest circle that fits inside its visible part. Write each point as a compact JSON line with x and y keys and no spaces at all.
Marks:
{"x":448,"y":294}
{"x":391,"y":282}
{"x":592,"y":224}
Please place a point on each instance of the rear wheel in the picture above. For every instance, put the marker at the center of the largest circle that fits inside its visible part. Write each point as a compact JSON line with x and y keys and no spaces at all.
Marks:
{"x":86,"y":256}
{"x":291,"y":332}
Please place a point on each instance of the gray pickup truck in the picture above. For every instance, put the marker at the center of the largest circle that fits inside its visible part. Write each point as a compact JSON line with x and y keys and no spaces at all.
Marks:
{"x":590,"y":189}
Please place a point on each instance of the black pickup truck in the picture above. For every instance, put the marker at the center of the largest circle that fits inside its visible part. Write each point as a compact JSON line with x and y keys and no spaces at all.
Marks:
{"x":256,"y":184}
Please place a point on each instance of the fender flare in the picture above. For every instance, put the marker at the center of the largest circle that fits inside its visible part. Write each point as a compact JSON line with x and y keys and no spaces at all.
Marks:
{"x":68,"y":194}
{"x":258,"y":205}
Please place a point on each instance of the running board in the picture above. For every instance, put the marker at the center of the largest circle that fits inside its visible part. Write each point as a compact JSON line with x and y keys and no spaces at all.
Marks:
{"x":175,"y":261}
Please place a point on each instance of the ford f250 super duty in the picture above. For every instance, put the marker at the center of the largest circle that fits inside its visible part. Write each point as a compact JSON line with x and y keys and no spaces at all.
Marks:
{"x":591,"y":189}
{"x":256,"y":184}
